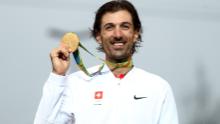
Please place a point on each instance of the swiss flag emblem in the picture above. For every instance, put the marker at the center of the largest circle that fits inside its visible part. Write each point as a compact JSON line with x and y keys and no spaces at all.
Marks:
{"x":98,"y":95}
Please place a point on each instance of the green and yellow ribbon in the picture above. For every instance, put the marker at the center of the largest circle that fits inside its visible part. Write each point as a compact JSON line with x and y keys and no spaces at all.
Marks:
{"x":80,"y":64}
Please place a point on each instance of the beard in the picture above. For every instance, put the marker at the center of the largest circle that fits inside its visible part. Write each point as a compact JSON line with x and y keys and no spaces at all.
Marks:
{"x":117,"y":49}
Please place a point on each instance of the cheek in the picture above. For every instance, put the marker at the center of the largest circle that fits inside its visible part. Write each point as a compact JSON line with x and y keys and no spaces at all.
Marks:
{"x":104,"y":42}
{"x":130,"y":36}
{"x":105,"y":34}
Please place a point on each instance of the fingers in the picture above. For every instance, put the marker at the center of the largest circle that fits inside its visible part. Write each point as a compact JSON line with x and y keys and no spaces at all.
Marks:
{"x":63,"y":45}
{"x":62,"y":52}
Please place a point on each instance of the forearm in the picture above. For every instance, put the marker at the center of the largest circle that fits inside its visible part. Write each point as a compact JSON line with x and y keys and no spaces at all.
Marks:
{"x":50,"y":101}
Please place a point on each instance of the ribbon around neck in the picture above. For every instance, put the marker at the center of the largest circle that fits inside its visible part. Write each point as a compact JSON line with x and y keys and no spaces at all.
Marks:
{"x":80,"y":64}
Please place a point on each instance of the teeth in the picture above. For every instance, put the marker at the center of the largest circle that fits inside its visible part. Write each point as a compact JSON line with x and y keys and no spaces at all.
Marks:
{"x":118,"y":44}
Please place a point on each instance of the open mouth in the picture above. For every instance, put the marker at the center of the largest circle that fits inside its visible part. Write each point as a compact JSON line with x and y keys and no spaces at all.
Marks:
{"x":118,"y":43}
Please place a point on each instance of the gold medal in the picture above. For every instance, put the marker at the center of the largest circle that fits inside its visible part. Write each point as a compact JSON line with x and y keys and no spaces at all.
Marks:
{"x":71,"y":40}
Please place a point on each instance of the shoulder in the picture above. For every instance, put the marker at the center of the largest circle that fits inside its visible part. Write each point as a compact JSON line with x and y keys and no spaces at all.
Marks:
{"x":148,"y":75}
{"x":91,"y":70}
{"x":148,"y":79}
{"x":80,"y":75}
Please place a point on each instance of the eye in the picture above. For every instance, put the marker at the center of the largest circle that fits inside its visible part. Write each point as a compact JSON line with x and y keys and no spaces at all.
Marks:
{"x":108,"y":27}
{"x":126,"y":26}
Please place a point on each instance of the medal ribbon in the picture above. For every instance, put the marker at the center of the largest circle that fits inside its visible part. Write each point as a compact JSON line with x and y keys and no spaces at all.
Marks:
{"x":80,"y":64}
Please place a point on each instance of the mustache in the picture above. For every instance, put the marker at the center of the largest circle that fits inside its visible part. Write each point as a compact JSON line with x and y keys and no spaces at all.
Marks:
{"x":117,"y":40}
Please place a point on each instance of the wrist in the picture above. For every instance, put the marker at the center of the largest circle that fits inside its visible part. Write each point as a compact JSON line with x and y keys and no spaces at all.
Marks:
{"x":59,"y":73}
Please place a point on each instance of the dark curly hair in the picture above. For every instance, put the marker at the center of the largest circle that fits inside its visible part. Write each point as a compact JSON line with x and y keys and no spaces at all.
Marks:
{"x":114,"y":6}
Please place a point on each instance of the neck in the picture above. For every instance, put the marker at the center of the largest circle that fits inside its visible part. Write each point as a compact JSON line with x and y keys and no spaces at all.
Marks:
{"x":120,"y":67}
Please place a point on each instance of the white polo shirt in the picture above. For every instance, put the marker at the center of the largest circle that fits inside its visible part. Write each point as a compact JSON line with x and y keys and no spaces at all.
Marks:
{"x":139,"y":98}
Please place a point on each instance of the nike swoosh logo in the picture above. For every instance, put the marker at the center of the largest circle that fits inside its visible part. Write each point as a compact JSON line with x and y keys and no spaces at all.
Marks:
{"x":137,"y":98}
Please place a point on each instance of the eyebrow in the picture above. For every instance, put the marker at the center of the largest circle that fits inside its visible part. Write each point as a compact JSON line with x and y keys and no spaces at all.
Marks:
{"x":111,"y":24}
{"x":129,"y":23}
{"x":108,"y":24}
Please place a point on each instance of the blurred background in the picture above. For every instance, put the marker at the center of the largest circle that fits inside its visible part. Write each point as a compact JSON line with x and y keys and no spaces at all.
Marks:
{"x":181,"y":44}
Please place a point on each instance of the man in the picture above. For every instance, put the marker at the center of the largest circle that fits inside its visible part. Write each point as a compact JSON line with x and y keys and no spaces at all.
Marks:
{"x":119,"y":93}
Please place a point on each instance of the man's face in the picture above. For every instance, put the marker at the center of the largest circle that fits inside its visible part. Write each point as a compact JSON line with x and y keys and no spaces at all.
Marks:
{"x":117,"y":35}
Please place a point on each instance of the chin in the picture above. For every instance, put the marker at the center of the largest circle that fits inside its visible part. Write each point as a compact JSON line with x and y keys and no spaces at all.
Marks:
{"x":120,"y":58}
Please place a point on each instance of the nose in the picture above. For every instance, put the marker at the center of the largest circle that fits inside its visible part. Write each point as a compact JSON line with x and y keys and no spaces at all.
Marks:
{"x":117,"y":33}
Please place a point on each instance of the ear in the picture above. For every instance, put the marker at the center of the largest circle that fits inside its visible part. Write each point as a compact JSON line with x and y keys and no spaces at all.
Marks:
{"x":136,"y":35}
{"x":98,"y":39}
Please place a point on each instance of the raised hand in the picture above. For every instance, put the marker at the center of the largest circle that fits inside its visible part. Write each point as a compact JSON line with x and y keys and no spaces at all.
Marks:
{"x":60,"y":58}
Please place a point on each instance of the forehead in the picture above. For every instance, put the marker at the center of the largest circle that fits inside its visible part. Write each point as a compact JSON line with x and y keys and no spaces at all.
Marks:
{"x":116,"y":17}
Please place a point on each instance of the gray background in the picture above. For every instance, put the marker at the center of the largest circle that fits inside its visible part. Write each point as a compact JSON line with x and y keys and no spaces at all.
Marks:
{"x":181,"y":44}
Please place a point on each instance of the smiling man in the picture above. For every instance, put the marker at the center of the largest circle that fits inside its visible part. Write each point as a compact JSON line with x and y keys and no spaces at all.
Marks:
{"x":117,"y":35}
{"x":120,"y":93}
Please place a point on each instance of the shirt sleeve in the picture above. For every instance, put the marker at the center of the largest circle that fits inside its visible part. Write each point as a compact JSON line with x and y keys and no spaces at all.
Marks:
{"x":168,"y":113}
{"x":51,"y":101}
